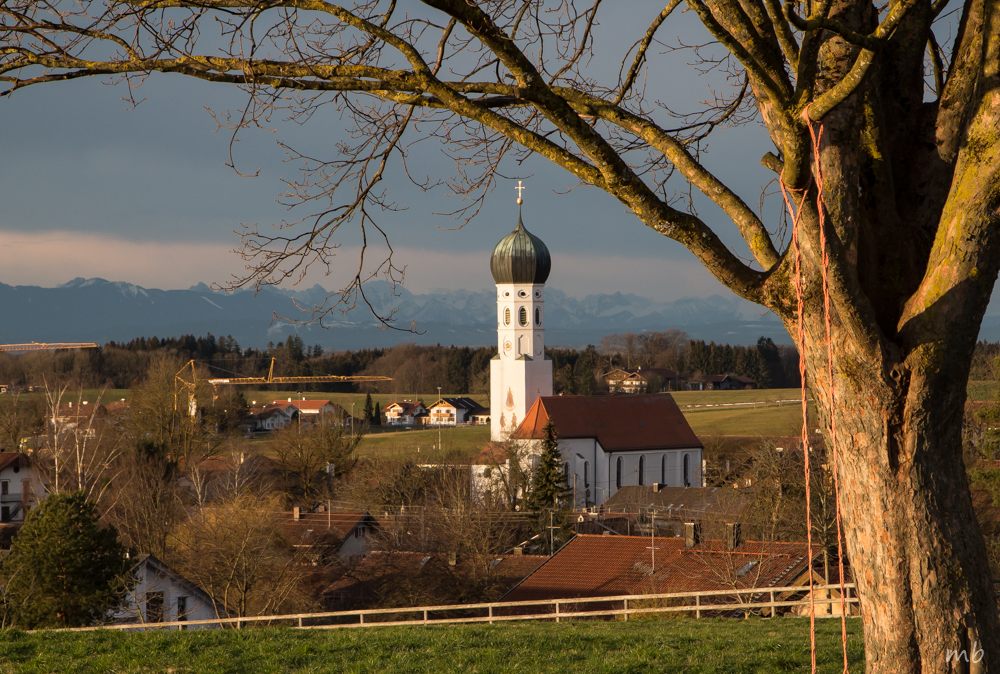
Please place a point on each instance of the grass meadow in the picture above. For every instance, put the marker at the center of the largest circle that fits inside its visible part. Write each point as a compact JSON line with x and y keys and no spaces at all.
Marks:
{"x":681,"y":645}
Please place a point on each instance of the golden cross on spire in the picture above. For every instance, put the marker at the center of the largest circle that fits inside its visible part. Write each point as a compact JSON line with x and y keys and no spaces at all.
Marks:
{"x":519,"y":188}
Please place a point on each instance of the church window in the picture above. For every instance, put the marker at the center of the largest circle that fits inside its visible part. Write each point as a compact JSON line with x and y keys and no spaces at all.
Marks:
{"x":522,"y":294}
{"x":642,"y":470}
{"x":663,"y":470}
{"x":687,"y":482}
{"x":522,"y":316}
{"x":506,"y":316}
{"x":538,"y":316}
{"x":618,"y":474}
{"x":586,"y":474}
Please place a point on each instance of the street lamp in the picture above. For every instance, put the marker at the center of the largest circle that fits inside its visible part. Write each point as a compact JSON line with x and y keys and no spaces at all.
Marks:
{"x":352,"y":421}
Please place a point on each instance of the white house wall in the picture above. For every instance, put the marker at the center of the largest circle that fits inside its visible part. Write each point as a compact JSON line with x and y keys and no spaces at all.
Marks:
{"x":601,"y":467}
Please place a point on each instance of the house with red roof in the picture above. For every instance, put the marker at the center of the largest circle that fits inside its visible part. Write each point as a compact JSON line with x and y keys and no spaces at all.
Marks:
{"x":640,"y":380}
{"x":609,"y":566}
{"x":341,"y":535}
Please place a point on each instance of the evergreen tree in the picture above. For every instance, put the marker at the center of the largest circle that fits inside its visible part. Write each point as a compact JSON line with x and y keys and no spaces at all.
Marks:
{"x":64,"y":569}
{"x":377,"y":418}
{"x":548,"y":485}
{"x":369,"y":410}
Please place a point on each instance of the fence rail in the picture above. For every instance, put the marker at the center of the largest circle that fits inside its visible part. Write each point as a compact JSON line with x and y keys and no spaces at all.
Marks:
{"x":761,"y":599}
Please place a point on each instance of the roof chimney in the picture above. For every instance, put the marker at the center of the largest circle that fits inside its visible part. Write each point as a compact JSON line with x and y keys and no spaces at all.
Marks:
{"x":692,"y":534}
{"x":519,"y":550}
{"x":295,"y":513}
{"x":733,"y":538}
{"x":657,"y":487}
{"x":289,"y":400}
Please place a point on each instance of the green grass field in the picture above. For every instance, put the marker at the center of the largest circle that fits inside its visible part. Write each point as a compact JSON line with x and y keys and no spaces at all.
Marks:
{"x":656,"y":645}
{"x":458,"y":444}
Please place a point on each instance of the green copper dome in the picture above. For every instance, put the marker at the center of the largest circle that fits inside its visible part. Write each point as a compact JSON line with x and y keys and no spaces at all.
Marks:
{"x":520,"y":257}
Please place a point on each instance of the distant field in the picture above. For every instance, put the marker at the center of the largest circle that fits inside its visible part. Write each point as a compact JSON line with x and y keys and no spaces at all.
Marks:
{"x":458,"y":444}
{"x":656,"y":645}
{"x":783,"y":420}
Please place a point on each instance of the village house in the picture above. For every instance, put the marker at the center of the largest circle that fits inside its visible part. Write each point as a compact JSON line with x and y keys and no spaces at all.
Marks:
{"x":404,"y":413}
{"x":641,"y":380}
{"x":161,"y":595}
{"x":20,"y":487}
{"x":609,"y":565}
{"x":452,"y":411}
{"x":274,"y":418}
{"x":329,"y":535}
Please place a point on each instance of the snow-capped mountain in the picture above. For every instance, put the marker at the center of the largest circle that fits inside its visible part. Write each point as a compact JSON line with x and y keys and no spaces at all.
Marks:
{"x":100,"y":311}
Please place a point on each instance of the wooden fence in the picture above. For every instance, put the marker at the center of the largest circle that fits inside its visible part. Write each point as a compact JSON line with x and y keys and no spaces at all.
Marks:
{"x":729,"y":602}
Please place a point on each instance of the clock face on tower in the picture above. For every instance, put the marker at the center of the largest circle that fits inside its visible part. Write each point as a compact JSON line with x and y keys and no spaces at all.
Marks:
{"x":506,"y":346}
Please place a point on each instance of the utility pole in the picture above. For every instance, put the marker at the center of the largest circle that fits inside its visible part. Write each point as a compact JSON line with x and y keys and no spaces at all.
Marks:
{"x":439,"y":424}
{"x":551,"y":534}
{"x":352,"y":421}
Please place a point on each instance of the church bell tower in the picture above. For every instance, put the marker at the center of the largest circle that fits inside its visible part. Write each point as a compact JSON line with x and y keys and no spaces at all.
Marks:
{"x":521,"y":372}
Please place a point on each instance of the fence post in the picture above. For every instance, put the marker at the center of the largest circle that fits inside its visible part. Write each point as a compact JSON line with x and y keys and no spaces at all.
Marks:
{"x":362,"y":617}
{"x":626,"y":610}
{"x":300,"y":622}
{"x":773,"y":607}
{"x":491,"y":614}
{"x":425,"y":616}
{"x":697,"y":602}
{"x":557,"y":611}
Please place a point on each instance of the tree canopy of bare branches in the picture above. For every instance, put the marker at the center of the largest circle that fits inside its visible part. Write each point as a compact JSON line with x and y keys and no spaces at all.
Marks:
{"x":886,"y":144}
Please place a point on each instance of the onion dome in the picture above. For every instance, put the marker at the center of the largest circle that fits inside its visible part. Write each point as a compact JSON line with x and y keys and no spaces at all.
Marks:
{"x":520,"y":257}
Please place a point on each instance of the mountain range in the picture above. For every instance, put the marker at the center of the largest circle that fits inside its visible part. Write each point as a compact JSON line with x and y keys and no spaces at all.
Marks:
{"x":96,"y":310}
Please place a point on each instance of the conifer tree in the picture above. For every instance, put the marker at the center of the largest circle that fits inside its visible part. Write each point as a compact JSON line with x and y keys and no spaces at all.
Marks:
{"x":377,"y":417}
{"x":64,"y":569}
{"x":369,"y":410}
{"x":549,"y":482}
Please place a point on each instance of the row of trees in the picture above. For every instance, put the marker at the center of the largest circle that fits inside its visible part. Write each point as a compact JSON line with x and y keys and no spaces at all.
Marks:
{"x":414,"y":369}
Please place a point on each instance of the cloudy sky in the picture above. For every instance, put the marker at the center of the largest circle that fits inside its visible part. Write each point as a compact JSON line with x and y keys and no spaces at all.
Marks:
{"x":91,"y":187}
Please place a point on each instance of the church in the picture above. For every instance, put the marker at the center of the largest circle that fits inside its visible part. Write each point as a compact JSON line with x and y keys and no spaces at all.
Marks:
{"x":607,"y":442}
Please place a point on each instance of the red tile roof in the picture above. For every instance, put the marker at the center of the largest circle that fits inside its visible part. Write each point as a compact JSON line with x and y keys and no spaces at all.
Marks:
{"x":619,"y":423}
{"x":8,"y":459}
{"x":330,"y":528}
{"x":606,"y":566}
{"x":493,"y":454}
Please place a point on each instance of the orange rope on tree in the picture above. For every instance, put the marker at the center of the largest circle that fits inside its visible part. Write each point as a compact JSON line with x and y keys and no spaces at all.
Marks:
{"x":825,"y":260}
{"x":816,"y":138}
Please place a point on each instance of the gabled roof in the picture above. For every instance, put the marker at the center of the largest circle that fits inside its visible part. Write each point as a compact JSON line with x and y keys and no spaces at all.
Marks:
{"x":11,"y":459}
{"x":321,"y":528}
{"x":406,"y":407}
{"x":147,"y":559}
{"x":606,"y":566}
{"x":492,"y":454}
{"x":457,"y":403}
{"x":619,"y":423}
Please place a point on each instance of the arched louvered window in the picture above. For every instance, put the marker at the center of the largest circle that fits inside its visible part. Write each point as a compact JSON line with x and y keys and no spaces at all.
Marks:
{"x":642,"y":470}
{"x":687,"y":481}
{"x":538,"y":316}
{"x":586,"y":474}
{"x":522,"y":316}
{"x":506,"y":316}
{"x":663,"y":470}
{"x":618,"y":475}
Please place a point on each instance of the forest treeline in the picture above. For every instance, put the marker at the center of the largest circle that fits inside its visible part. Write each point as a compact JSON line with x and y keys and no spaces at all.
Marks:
{"x":414,"y":368}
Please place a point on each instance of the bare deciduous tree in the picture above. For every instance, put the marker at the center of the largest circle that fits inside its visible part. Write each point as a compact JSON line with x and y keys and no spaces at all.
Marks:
{"x":906,"y":161}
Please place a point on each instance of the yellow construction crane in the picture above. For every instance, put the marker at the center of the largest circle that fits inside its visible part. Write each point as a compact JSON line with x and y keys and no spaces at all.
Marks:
{"x":46,"y":346}
{"x":191,"y":385}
